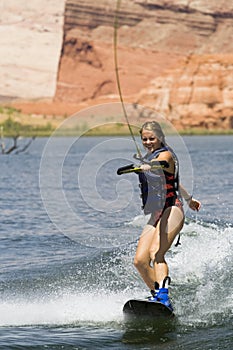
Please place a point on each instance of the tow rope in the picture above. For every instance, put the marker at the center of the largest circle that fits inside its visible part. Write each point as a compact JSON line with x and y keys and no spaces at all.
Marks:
{"x":116,"y":25}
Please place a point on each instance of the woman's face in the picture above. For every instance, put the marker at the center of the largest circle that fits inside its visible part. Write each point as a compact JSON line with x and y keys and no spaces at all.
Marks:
{"x":149,"y":140}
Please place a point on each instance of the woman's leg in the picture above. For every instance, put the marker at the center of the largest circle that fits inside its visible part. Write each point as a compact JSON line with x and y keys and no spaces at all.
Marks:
{"x":165,"y":232}
{"x":142,"y":257}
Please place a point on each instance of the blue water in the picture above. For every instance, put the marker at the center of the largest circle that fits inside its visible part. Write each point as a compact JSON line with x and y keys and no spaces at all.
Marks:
{"x":68,"y":233}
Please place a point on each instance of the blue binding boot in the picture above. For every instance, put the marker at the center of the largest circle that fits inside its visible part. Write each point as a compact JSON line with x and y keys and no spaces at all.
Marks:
{"x":163,"y":298}
{"x":161,"y":294}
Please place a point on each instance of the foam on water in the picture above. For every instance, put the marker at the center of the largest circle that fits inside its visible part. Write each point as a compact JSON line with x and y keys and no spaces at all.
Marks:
{"x":202,"y":286}
{"x":66,"y":309}
{"x":203,"y":248}
{"x":201,"y":270}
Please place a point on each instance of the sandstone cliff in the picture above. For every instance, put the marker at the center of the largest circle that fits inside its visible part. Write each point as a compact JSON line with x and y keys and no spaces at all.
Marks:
{"x":175,"y":56}
{"x":30,"y":40}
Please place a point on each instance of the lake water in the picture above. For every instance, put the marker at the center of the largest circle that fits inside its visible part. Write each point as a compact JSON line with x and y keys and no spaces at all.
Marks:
{"x":68,"y":232}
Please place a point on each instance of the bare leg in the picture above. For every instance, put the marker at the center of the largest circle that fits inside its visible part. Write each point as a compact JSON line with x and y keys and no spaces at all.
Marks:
{"x":166,"y":230}
{"x":142,"y":257}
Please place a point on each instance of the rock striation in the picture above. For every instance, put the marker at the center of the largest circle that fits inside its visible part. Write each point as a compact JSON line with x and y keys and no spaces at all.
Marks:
{"x":197,"y":95}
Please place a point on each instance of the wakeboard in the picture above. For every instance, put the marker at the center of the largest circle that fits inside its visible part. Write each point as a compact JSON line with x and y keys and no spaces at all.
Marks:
{"x":144,"y":308}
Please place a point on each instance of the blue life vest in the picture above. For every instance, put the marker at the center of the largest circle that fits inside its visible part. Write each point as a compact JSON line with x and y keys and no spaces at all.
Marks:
{"x":153,"y":186}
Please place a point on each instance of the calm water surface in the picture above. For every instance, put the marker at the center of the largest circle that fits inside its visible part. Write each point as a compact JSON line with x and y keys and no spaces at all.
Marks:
{"x":68,"y":233}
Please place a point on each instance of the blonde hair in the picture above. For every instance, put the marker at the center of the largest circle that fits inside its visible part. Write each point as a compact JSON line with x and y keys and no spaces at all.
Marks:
{"x":156,"y":128}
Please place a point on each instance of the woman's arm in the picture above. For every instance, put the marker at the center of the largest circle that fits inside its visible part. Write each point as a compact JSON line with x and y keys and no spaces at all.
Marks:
{"x":192,"y":203}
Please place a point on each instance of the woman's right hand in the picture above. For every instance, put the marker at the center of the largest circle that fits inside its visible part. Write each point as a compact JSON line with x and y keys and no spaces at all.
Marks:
{"x":145,"y":167}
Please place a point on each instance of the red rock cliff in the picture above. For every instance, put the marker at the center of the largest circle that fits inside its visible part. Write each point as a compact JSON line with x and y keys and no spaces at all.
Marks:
{"x":176,"y":56}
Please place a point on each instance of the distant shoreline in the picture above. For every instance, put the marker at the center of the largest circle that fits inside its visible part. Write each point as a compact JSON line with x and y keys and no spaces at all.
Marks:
{"x":13,"y":122}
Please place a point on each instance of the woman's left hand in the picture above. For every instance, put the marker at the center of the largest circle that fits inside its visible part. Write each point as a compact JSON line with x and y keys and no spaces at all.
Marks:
{"x":194,"y":204}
